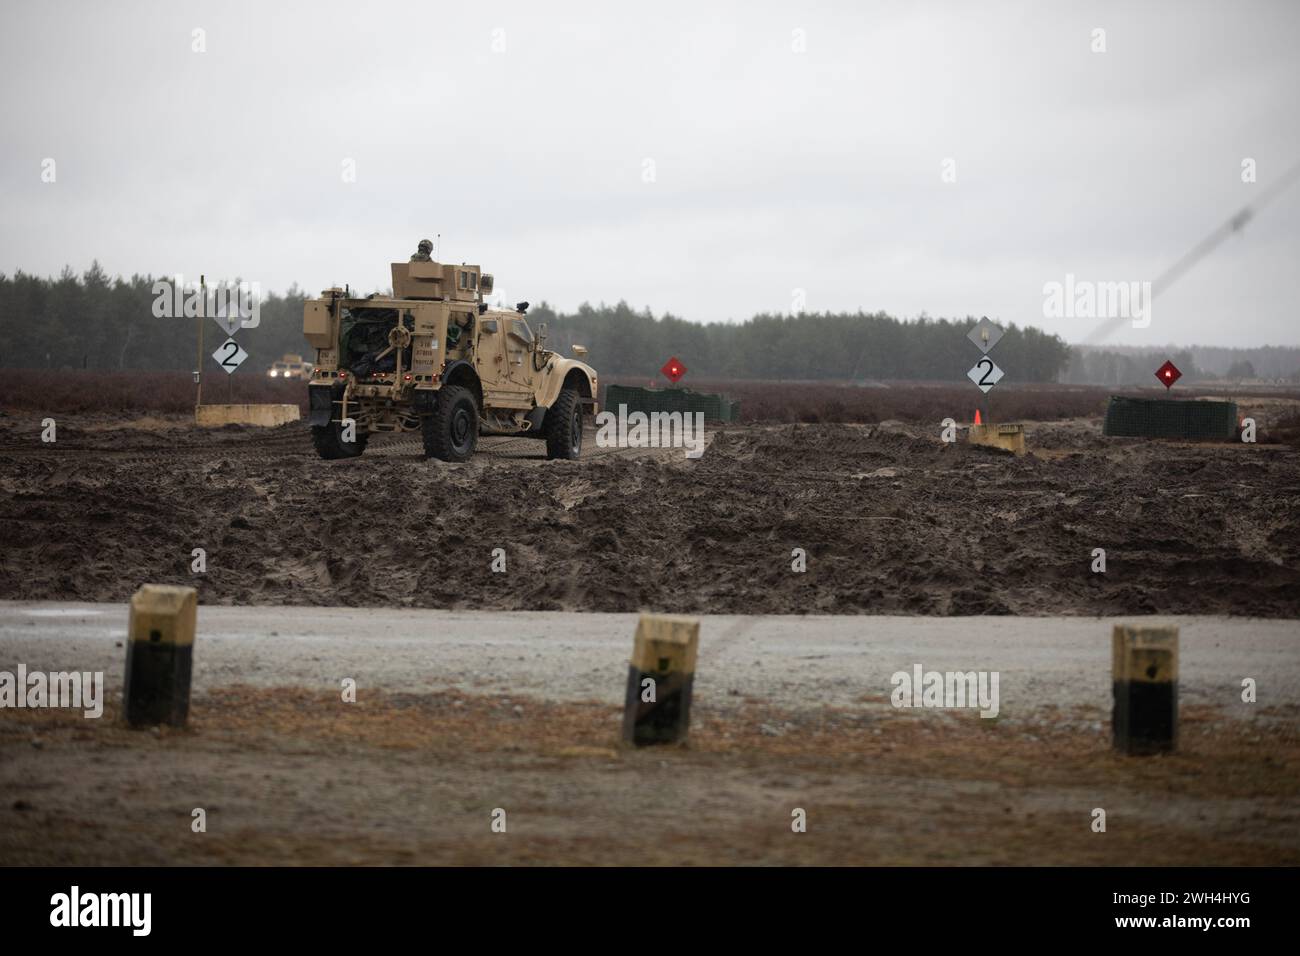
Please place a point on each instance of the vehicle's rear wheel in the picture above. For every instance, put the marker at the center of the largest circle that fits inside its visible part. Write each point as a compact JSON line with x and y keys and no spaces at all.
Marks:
{"x":451,"y":432}
{"x":563,"y":426}
{"x":329,"y":444}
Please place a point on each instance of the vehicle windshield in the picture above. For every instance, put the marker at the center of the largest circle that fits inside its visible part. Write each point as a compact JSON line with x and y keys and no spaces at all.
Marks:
{"x":520,"y":328}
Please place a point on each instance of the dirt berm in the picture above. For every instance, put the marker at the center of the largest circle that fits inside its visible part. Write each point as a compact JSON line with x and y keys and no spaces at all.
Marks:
{"x":892,"y":521}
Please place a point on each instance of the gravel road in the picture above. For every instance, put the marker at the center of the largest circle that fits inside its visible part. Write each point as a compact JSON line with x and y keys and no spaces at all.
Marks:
{"x":794,"y":662}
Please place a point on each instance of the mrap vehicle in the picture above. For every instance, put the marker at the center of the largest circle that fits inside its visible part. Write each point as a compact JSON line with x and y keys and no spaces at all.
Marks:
{"x":290,"y":366}
{"x":434,"y":357}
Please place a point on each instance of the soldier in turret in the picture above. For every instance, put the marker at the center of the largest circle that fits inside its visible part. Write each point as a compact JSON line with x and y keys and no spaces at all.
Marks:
{"x":422,"y":253}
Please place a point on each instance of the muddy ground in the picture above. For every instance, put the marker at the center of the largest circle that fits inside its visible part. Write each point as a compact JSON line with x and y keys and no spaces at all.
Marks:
{"x":457,"y":714}
{"x":892,"y":519}
{"x":288,"y":776}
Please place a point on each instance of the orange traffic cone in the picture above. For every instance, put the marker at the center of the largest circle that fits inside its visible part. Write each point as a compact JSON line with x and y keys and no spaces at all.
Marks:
{"x":977,"y":416}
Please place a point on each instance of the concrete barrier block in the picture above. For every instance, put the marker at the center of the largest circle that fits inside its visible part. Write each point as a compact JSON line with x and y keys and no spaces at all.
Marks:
{"x":1007,"y":437}
{"x":214,"y":416}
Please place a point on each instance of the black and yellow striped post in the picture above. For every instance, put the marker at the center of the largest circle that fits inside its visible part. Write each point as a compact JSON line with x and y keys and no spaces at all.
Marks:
{"x":159,"y":655}
{"x":659,"y":680}
{"x":1145,"y":672}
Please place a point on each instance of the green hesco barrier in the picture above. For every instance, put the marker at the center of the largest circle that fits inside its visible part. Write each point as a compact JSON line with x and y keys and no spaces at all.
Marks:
{"x":1170,"y":418}
{"x":716,"y":408}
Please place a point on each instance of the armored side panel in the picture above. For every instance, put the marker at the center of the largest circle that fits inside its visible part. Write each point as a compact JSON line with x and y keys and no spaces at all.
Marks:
{"x":434,"y":280}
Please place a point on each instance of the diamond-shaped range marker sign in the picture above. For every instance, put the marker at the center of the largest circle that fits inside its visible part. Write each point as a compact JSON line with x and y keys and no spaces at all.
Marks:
{"x":1168,"y":374}
{"x":228,"y":323}
{"x":229,"y":356}
{"x":673,"y":370}
{"x":985,"y":334}
{"x":985,"y":374}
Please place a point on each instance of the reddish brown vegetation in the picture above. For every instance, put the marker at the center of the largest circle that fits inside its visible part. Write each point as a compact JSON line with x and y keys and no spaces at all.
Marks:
{"x":814,"y":402}
{"x":1284,"y":431}
{"x":76,"y":391}
{"x":818,"y":402}
{"x":50,"y":390}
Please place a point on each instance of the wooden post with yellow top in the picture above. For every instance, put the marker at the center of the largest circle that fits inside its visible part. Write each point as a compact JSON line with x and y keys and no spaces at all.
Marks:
{"x":159,"y":655}
{"x":659,"y":680}
{"x":1145,"y":673}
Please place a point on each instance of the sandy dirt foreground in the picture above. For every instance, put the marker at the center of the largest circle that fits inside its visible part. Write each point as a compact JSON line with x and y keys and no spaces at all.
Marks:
{"x":893,"y":521}
{"x":460,"y":714}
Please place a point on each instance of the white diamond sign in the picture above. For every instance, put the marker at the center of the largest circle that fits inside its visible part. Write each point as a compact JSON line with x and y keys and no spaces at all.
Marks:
{"x":228,"y":323}
{"x":229,"y":355}
{"x":985,"y":374}
{"x":985,"y":335}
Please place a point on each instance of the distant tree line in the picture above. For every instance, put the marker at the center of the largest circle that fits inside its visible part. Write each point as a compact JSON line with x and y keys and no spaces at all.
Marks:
{"x":1128,"y":365}
{"x":811,"y":345}
{"x":1106,"y":367}
{"x":92,"y":321}
{"x":97,"y":322}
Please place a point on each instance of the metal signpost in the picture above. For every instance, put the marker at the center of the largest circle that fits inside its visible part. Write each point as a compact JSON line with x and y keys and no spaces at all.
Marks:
{"x":986,"y":373}
{"x":229,"y":354}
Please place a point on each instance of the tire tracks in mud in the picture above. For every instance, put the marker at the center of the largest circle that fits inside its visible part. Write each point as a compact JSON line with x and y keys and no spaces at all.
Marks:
{"x":892,"y":520}
{"x":277,"y":447}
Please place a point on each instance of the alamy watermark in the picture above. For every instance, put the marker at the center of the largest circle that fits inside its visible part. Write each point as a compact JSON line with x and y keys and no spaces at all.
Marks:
{"x":1085,"y":299}
{"x":175,"y":298}
{"x":82,"y":690}
{"x":946,"y":689}
{"x":130,"y":910}
{"x":651,"y":430}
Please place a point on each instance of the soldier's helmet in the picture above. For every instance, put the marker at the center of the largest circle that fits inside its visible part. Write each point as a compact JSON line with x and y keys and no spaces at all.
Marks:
{"x":426,"y":246}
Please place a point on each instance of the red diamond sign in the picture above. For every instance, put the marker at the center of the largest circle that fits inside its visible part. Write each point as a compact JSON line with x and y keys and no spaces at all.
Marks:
{"x":1168,"y":374}
{"x":673,"y":370}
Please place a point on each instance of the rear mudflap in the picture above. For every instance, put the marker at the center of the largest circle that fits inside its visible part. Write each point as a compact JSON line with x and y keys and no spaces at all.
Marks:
{"x":320,"y":404}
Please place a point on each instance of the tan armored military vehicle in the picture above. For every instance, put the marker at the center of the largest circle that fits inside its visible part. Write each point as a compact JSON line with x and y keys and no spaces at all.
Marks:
{"x":292,"y":367}
{"x":433,"y":357}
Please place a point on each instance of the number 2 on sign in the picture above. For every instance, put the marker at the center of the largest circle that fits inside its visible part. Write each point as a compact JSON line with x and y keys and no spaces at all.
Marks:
{"x":985,"y":374}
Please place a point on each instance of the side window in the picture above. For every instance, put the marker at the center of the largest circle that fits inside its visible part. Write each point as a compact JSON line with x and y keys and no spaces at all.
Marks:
{"x":520,"y":329}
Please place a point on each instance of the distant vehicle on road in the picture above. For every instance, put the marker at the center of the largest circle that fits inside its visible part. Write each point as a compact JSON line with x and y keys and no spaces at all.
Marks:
{"x":291,"y":367}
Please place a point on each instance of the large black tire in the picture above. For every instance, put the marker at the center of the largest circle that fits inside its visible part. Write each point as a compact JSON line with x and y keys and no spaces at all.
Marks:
{"x":329,"y":444}
{"x":563,"y":426}
{"x":451,"y":432}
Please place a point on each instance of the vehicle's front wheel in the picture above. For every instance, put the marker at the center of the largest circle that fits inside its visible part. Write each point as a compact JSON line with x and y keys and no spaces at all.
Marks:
{"x":563,"y":426}
{"x":329,"y":444}
{"x":451,"y":432}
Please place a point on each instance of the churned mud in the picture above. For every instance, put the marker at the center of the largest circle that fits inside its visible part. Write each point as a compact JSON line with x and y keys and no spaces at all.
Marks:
{"x":291,"y":776}
{"x":892,"y":520}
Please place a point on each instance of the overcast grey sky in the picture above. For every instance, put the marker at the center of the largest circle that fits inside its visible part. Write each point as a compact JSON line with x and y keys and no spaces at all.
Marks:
{"x":792,"y":146}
